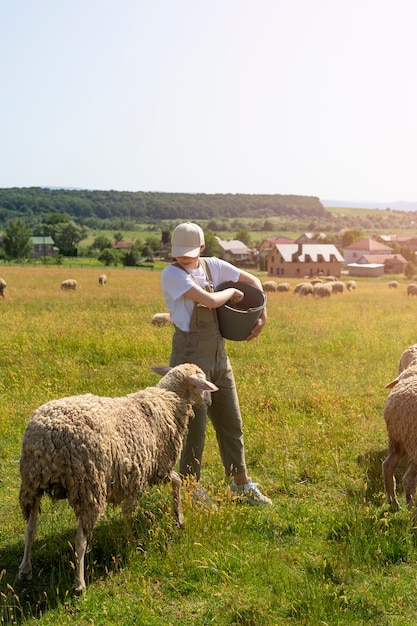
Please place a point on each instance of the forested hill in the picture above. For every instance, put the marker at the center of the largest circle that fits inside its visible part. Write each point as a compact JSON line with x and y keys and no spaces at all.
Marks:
{"x":35,"y":203}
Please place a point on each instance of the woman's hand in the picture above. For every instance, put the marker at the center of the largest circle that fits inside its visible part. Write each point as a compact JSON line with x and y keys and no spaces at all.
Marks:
{"x":237,"y":296}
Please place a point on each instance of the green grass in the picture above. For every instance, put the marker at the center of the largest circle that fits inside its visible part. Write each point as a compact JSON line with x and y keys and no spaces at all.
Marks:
{"x":312,"y":391}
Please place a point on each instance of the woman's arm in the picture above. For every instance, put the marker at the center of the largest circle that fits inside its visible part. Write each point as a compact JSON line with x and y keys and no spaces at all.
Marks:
{"x":216,"y":299}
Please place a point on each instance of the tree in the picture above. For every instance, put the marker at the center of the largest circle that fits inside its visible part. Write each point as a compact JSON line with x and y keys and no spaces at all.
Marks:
{"x":17,"y":240}
{"x":350,"y":236}
{"x":244,"y":237}
{"x":68,"y":235}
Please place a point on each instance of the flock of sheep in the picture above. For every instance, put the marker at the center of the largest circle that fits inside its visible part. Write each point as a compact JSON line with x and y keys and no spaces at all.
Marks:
{"x":95,"y":450}
{"x":68,"y":284}
{"x":316,"y":287}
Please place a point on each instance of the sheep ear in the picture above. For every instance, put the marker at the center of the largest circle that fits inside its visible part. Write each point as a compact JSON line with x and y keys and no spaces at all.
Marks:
{"x":161,"y":370}
{"x":204,"y":385}
{"x":392,"y":383}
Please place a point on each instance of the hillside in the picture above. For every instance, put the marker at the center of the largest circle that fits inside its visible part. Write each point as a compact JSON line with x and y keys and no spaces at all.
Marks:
{"x":34,"y":203}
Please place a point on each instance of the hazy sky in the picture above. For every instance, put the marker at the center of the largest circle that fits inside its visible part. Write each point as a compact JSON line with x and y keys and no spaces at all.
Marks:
{"x":310,"y":97}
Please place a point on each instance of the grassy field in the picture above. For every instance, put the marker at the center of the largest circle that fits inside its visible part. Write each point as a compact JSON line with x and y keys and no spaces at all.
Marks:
{"x":312,"y":391}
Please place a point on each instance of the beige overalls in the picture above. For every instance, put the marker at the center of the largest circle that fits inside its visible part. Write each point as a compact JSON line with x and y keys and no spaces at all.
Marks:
{"x":204,"y":346}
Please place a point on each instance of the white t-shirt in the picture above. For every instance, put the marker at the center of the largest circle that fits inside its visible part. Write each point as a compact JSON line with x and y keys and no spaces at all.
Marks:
{"x":176,"y":282}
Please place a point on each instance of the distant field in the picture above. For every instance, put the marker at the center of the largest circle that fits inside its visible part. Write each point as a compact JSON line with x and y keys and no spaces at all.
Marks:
{"x":312,"y":391}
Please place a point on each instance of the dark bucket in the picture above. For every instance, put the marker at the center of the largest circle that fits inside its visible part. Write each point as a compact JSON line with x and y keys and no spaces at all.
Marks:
{"x":237,"y":320}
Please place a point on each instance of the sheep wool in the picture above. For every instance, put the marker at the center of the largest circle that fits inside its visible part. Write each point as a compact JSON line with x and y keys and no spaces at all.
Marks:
{"x":70,"y":283}
{"x":400,"y":414}
{"x":3,"y":286}
{"x":93,"y":450}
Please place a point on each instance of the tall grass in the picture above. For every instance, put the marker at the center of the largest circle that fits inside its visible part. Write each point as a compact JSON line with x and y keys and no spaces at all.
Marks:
{"x":312,"y":391}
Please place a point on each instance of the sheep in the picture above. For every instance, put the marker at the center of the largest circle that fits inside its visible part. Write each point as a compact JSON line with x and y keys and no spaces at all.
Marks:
{"x":270,"y":286}
{"x":70,"y":283}
{"x":283,"y":287}
{"x":412,"y":289}
{"x":400,"y":414}
{"x":307,"y":289}
{"x":298,"y":287}
{"x":393,"y":284}
{"x":322,"y":290}
{"x":102,"y":279}
{"x":329,"y":279}
{"x":351,"y":285}
{"x":92,"y":450}
{"x":161,"y":319}
{"x":337,"y":286}
{"x":316,"y":281}
{"x":3,"y":286}
{"x":408,"y":357}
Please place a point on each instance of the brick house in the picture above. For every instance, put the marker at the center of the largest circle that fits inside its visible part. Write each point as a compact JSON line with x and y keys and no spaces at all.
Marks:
{"x":304,"y":260}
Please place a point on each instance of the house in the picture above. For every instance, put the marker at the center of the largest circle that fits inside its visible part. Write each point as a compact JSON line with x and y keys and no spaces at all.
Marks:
{"x":266,"y":245}
{"x":121,"y":245}
{"x":43,"y":246}
{"x":234,"y":251}
{"x":356,"y":250}
{"x":392,"y":263}
{"x":311,"y":237}
{"x":370,"y":270}
{"x":297,"y":260}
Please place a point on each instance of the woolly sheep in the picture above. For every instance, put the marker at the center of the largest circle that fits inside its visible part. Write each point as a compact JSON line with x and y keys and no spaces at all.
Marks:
{"x":351,"y":285}
{"x":412,"y":289}
{"x":337,"y":287}
{"x":316,"y":281}
{"x":329,"y":279}
{"x":161,"y":319}
{"x":283,"y":287}
{"x":102,"y":279}
{"x":322,"y":290}
{"x":307,"y":289}
{"x":298,"y":287}
{"x":393,"y":284}
{"x":3,"y":286}
{"x":408,"y":357}
{"x":400,"y":414}
{"x":70,"y":283}
{"x":92,"y":450}
{"x":269,"y":286}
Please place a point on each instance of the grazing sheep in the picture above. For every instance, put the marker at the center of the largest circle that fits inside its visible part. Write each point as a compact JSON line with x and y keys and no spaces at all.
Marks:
{"x":93,"y":450}
{"x":3,"y":286}
{"x":269,"y":285}
{"x":329,"y":279}
{"x":102,"y":279}
{"x":337,"y":287}
{"x":407,"y":358}
{"x":322,"y":290}
{"x":69,"y":284}
{"x":316,"y":281}
{"x":161,"y":319}
{"x":393,"y":284}
{"x":283,"y":287}
{"x":351,"y":285}
{"x":400,"y":414}
{"x":307,"y":289}
{"x":412,"y":289}
{"x":298,"y":287}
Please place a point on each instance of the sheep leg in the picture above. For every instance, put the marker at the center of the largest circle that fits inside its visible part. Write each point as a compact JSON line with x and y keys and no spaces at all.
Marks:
{"x":410,"y":483}
{"x":176,"y":495}
{"x":388,"y":468}
{"x":80,"y":550}
{"x":25,"y":568}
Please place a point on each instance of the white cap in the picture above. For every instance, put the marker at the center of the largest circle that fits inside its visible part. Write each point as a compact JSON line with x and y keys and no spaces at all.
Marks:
{"x":187,"y":240}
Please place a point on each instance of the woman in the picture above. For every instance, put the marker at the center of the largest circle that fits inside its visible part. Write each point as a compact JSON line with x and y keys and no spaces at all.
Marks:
{"x":188,"y":286}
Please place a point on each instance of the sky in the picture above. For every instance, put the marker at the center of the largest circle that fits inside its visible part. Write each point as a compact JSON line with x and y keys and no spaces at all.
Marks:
{"x":304,"y":97}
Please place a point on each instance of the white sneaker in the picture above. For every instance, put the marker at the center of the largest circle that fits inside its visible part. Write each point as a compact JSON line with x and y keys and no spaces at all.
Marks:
{"x":250,"y":493}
